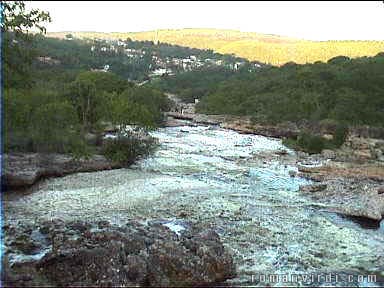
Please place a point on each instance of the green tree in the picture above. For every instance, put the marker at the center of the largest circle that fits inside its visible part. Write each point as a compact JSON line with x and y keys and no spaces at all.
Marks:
{"x":16,"y":25}
{"x":90,"y":93}
{"x":125,"y":112}
{"x":60,"y":134}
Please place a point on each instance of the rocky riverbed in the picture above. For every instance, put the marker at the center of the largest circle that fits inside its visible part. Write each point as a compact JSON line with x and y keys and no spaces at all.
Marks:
{"x":350,"y":179}
{"x":245,"y":188}
{"x":77,"y":253}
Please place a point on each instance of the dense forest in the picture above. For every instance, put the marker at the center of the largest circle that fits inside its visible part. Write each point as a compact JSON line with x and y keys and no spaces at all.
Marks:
{"x":52,"y":104}
{"x":343,"y":89}
{"x":266,"y":48}
{"x":341,"y":93}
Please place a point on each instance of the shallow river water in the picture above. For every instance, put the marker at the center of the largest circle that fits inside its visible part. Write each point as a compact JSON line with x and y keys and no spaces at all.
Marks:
{"x":237,"y":184}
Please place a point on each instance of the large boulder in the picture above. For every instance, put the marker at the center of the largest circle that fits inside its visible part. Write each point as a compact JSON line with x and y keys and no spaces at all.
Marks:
{"x":101,"y":254}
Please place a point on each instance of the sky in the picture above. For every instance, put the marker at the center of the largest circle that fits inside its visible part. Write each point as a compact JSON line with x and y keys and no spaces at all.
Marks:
{"x":311,"y":20}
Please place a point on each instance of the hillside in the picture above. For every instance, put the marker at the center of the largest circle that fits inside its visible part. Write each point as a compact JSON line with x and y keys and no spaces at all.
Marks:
{"x":272,"y":49}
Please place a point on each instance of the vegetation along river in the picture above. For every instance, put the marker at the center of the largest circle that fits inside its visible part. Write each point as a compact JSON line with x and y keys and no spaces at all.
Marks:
{"x":238,"y":184}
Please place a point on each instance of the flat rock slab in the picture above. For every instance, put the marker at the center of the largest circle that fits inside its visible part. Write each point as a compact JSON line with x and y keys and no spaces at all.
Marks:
{"x":313,"y":188}
{"x":353,"y":190}
{"x":24,"y":169}
{"x":101,"y":254}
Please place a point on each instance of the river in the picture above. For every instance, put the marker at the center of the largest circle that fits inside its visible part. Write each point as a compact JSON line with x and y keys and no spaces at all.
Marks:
{"x":236,"y":183}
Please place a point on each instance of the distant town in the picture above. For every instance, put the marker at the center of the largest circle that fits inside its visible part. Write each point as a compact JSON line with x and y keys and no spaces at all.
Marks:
{"x":157,"y":62}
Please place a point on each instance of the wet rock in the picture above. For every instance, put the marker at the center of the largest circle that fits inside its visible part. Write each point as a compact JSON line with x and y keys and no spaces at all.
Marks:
{"x":200,"y":260}
{"x":292,"y":173}
{"x":380,"y":190}
{"x":103,"y":224}
{"x":80,"y":226}
{"x":308,"y":169}
{"x":102,"y":254}
{"x":313,"y":188}
{"x":351,"y":197}
{"x":281,"y":152}
{"x":182,"y":116}
{"x":352,"y":187}
{"x":172,"y":122}
{"x":24,"y":244}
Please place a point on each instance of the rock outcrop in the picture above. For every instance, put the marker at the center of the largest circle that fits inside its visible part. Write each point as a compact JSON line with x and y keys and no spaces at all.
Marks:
{"x":24,"y":169}
{"x":102,"y":254}
{"x":364,"y":149}
{"x":346,"y":188}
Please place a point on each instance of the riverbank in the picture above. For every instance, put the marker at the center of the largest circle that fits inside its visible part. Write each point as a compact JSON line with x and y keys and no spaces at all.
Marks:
{"x":24,"y":169}
{"x":21,"y":170}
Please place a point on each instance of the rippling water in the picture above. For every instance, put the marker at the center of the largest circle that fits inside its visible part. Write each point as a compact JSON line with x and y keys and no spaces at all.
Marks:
{"x":219,"y":178}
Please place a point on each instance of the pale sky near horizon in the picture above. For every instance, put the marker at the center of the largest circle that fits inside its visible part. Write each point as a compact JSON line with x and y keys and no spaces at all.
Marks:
{"x":311,"y":20}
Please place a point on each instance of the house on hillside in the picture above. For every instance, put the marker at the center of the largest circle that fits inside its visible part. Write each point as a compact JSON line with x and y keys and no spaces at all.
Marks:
{"x":219,"y":62}
{"x":105,"y":69}
{"x":161,"y":72}
{"x":48,"y":60}
{"x":237,"y":65}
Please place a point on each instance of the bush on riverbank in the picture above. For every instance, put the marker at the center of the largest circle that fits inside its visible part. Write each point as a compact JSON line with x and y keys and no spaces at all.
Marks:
{"x":126,"y":149}
{"x":308,"y":142}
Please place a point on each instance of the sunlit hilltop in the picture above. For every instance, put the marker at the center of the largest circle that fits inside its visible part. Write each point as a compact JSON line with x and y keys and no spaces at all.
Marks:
{"x":272,"y":49}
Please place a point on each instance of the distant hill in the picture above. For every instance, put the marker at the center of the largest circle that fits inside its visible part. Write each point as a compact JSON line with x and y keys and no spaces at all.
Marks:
{"x":272,"y":49}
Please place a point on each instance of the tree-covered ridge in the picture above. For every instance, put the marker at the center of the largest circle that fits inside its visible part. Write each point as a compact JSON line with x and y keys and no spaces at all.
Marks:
{"x":349,"y":91}
{"x":271,"y":49}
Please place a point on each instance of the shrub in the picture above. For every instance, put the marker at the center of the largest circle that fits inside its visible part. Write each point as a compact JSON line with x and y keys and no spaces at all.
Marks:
{"x":39,"y":121}
{"x":54,"y":129}
{"x":340,"y":135}
{"x":307,"y":142}
{"x":311,"y":143}
{"x":126,"y":149}
{"x":291,"y":143}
